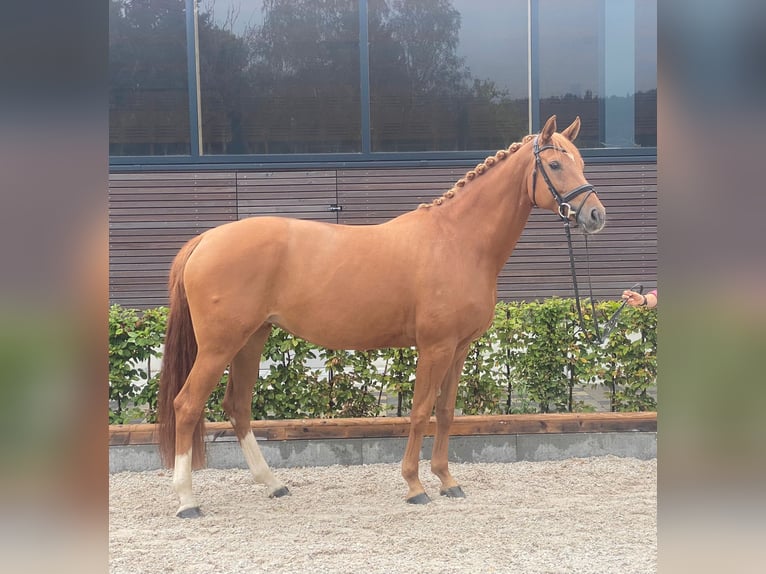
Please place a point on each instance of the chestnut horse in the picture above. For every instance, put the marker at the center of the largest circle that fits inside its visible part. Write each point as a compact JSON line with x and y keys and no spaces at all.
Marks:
{"x":425,"y":279}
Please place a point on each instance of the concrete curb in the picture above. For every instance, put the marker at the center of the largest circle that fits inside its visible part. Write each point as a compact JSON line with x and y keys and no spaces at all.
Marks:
{"x":226,"y":453}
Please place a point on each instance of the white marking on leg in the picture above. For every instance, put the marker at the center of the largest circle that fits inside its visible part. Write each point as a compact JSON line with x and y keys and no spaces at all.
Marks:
{"x":182,"y":481}
{"x":258,"y":466}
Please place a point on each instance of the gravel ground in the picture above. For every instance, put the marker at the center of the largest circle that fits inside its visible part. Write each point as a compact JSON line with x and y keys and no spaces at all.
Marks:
{"x":595,"y":515}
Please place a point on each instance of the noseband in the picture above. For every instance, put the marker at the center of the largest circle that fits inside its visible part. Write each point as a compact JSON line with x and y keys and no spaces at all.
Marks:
{"x":565,"y":213}
{"x":565,"y":209}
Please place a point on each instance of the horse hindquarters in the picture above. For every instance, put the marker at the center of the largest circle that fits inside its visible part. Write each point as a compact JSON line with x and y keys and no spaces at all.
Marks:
{"x":196,"y":353}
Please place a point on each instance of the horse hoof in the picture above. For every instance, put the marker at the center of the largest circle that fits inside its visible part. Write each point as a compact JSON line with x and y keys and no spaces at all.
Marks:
{"x":193,"y":512}
{"x":453,"y":492}
{"x":421,"y":498}
{"x":280,"y":492}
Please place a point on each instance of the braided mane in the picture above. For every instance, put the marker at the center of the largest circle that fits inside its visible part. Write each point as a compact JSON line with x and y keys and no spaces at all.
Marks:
{"x":477,"y":171}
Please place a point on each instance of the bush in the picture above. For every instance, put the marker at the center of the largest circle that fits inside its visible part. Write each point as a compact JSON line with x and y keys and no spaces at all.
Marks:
{"x":627,"y":363}
{"x":531,"y":359}
{"x":133,"y":340}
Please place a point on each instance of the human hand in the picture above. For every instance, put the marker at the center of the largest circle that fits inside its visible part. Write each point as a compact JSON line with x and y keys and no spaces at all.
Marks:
{"x":633,"y":298}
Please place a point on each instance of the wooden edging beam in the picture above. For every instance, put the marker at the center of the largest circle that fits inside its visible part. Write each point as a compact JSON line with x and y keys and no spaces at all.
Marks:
{"x":378,"y":427}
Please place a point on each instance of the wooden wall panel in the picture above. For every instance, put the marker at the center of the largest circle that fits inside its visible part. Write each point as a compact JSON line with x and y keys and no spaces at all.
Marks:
{"x":153,"y":214}
{"x":371,"y":196}
{"x":299,"y":194}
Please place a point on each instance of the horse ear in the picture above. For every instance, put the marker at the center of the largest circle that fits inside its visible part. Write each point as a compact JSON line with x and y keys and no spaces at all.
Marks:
{"x":571,"y":132}
{"x":548,"y":129}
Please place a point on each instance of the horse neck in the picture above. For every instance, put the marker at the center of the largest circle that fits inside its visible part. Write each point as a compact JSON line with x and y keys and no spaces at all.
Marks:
{"x":489,"y":214}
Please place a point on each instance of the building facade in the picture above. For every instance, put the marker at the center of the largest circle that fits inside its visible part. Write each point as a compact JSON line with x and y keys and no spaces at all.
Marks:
{"x":355,"y":111}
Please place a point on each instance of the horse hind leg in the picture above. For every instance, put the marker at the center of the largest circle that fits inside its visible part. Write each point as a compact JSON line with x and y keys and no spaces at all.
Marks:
{"x":237,"y":403}
{"x":189,"y":404}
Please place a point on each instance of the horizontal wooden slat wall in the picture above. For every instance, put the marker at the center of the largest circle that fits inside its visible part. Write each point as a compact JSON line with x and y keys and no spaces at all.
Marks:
{"x":299,"y":194}
{"x":377,"y":195}
{"x":152,"y":214}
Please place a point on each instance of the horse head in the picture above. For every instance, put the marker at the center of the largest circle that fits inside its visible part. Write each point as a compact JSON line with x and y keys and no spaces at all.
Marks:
{"x":559,"y":167}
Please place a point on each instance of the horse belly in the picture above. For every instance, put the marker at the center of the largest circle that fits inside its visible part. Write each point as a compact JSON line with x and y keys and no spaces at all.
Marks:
{"x":347,"y":321}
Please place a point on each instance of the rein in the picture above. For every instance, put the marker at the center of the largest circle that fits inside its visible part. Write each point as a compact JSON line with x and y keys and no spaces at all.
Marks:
{"x":565,"y":214}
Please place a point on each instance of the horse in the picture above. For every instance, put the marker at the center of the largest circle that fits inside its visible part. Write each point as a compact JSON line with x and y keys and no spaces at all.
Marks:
{"x":425,"y":279}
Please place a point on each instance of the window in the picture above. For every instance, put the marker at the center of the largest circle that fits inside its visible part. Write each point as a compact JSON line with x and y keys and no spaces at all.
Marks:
{"x":280,"y":76}
{"x":447,"y":75}
{"x":568,"y":65}
{"x":148,"y":82}
{"x":646,"y":73}
{"x":598,"y":60}
{"x":366,"y":79}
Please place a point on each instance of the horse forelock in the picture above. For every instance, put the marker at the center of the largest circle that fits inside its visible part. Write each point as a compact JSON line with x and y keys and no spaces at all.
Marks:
{"x":479,"y":170}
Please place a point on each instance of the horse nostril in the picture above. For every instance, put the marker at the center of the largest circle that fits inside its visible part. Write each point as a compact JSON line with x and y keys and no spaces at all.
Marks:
{"x":596,"y":216}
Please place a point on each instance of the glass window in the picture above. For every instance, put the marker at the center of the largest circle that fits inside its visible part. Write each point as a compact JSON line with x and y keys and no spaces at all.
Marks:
{"x":646,"y":73}
{"x":568,"y":65}
{"x":447,"y":75}
{"x":598,"y":60}
{"x":148,"y":88}
{"x":280,"y":76}
{"x":284,"y":77}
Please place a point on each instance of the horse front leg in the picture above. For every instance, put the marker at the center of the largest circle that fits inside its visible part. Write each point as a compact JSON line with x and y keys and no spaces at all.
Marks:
{"x":445,"y":413}
{"x":433,"y":364}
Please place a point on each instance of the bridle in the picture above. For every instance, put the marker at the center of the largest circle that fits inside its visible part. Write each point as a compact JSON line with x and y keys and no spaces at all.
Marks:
{"x":565,"y":209}
{"x":565,"y":214}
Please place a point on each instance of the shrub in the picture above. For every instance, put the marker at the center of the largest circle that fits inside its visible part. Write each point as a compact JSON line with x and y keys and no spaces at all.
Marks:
{"x":134,"y":339}
{"x":531,"y":359}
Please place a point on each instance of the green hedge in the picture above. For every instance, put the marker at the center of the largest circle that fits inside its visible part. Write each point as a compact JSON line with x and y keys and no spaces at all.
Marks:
{"x":532,"y":359}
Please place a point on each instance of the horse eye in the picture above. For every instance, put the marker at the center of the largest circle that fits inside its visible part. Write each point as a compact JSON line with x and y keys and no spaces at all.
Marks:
{"x":555,"y":165}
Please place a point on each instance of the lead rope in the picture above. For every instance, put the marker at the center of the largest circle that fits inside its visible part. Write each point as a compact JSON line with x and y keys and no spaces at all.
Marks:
{"x":590,"y":287}
{"x":574,"y":282}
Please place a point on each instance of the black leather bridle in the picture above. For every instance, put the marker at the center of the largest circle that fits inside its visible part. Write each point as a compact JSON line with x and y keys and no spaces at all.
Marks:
{"x":565,"y":209}
{"x":565,"y":213}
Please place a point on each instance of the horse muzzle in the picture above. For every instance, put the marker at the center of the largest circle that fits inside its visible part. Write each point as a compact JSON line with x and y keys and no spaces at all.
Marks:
{"x":591,"y":218}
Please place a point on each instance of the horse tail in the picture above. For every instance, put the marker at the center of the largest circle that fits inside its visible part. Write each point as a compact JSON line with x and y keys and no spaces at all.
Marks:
{"x":178,"y":359}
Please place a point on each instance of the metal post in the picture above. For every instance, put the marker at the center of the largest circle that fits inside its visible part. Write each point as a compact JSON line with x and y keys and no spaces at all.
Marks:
{"x":364,"y":76}
{"x":192,"y":59}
